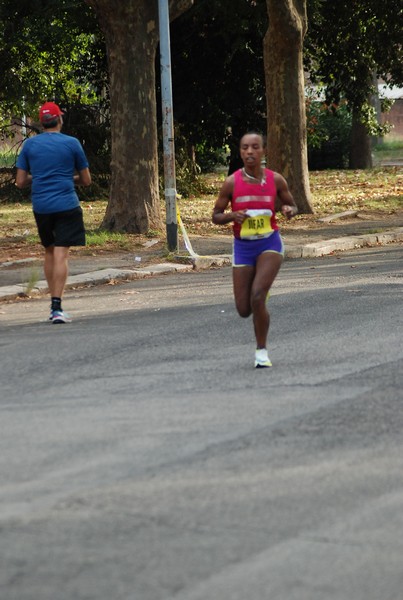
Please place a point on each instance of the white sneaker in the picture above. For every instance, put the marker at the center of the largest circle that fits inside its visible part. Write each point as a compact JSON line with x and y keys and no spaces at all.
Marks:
{"x":261,"y":359}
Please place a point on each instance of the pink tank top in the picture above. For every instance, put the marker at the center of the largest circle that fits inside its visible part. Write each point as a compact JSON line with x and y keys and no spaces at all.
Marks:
{"x":260,"y":200}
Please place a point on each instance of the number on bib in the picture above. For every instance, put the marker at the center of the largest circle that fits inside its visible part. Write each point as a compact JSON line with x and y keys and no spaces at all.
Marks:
{"x":256,"y":227}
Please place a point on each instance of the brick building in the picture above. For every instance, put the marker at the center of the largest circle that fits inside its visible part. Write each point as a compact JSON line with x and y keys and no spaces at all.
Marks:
{"x":395,"y":115}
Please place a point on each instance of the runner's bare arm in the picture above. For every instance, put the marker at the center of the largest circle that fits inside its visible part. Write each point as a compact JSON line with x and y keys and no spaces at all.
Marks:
{"x":220,"y":217}
{"x":288,"y":207}
{"x":83,"y":178}
{"x":23,"y":178}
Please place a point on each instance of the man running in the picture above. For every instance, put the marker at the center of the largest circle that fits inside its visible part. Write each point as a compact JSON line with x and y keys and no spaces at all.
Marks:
{"x":54,"y":163}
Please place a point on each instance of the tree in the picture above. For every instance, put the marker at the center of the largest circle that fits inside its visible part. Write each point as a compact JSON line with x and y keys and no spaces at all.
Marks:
{"x":220,"y":86}
{"x":349,"y":46}
{"x":131,"y":35}
{"x":287,"y":141}
{"x":43,"y":47}
{"x":218,"y":73}
{"x":53,"y":50}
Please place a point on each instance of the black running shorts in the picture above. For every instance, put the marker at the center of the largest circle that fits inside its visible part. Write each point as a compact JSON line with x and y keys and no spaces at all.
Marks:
{"x":62,"y":228}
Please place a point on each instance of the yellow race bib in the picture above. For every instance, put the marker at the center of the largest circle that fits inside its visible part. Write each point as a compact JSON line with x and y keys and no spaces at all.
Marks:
{"x":256,"y":225}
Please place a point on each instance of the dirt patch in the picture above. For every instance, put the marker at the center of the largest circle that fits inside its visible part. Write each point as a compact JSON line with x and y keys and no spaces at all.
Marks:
{"x":303,"y":229}
{"x":366,"y":221}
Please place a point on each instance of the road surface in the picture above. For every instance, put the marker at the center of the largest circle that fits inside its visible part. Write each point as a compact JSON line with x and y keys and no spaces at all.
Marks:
{"x":143,"y":458}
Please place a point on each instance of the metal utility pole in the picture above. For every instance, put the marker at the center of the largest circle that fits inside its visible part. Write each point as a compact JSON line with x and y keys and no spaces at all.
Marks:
{"x":167,"y":126}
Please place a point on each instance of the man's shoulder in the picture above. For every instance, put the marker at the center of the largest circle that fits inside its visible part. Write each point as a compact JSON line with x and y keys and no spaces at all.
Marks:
{"x":40,"y":138}
{"x":46,"y":136}
{"x":31,"y":140}
{"x":66,"y":137}
{"x":71,"y":140}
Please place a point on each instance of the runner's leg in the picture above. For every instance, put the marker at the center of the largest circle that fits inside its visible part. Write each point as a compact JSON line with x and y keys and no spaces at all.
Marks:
{"x":56,"y":269}
{"x":48,"y":267}
{"x":242,"y":278}
{"x":267,"y":267}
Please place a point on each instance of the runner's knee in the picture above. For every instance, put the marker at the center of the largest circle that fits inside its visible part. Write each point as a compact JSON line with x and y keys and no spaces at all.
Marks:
{"x":243,"y":311}
{"x":258,"y":297}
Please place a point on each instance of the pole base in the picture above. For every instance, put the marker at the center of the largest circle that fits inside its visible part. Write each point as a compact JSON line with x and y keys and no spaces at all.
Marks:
{"x":172,"y":237}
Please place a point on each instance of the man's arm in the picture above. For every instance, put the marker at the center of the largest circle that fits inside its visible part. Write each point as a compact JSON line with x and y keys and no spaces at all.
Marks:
{"x":83,"y":177}
{"x":23,"y":179}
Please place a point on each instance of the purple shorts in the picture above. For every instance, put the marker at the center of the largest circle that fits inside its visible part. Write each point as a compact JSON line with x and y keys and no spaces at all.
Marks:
{"x":246,"y":252}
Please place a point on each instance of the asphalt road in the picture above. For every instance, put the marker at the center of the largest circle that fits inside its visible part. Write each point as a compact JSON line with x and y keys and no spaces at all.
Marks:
{"x":143,"y":458}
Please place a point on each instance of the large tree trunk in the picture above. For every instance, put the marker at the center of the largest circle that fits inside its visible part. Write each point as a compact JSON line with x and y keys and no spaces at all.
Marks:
{"x":360,"y":145}
{"x":284,"y":74}
{"x":131,"y":34}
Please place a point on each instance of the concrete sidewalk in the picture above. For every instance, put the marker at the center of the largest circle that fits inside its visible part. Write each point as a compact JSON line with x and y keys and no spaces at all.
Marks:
{"x":21,"y":278}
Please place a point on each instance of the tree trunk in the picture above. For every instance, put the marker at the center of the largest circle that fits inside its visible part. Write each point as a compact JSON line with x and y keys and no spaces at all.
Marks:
{"x":131,"y":35}
{"x":284,"y":74}
{"x":360,"y":146}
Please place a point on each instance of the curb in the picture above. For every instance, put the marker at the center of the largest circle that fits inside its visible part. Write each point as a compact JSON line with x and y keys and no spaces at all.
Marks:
{"x":324,"y":247}
{"x":189,"y":263}
{"x":13,"y":292}
{"x":206,"y":262}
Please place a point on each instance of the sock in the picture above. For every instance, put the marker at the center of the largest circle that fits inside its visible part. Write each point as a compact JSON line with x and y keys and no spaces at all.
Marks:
{"x":56,"y":304}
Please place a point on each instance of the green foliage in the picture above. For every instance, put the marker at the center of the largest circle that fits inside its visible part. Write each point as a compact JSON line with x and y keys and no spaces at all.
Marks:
{"x":218,"y":73}
{"x":90,"y":124}
{"x":99,"y":237}
{"x":188,"y":172}
{"x":369,"y":118}
{"x":53,"y":50}
{"x":386,"y":104}
{"x":7,"y":159}
{"x":351,"y":44}
{"x":209,"y":158}
{"x":45,"y":48}
{"x":328,"y":129}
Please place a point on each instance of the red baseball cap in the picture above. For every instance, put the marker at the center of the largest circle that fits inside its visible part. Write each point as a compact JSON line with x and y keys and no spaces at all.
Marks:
{"x":48,"y":112}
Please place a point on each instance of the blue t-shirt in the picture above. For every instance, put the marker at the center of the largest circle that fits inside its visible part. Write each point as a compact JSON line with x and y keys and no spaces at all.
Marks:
{"x":52,"y":158}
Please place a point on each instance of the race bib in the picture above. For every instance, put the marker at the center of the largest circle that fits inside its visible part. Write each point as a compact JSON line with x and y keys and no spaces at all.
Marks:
{"x":256,"y":225}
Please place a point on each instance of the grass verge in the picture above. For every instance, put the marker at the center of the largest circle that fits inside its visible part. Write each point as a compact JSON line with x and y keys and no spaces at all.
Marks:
{"x":379,"y":189}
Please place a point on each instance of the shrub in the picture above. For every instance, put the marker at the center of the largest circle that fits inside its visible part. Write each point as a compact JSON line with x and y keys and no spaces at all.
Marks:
{"x":328,"y":134}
